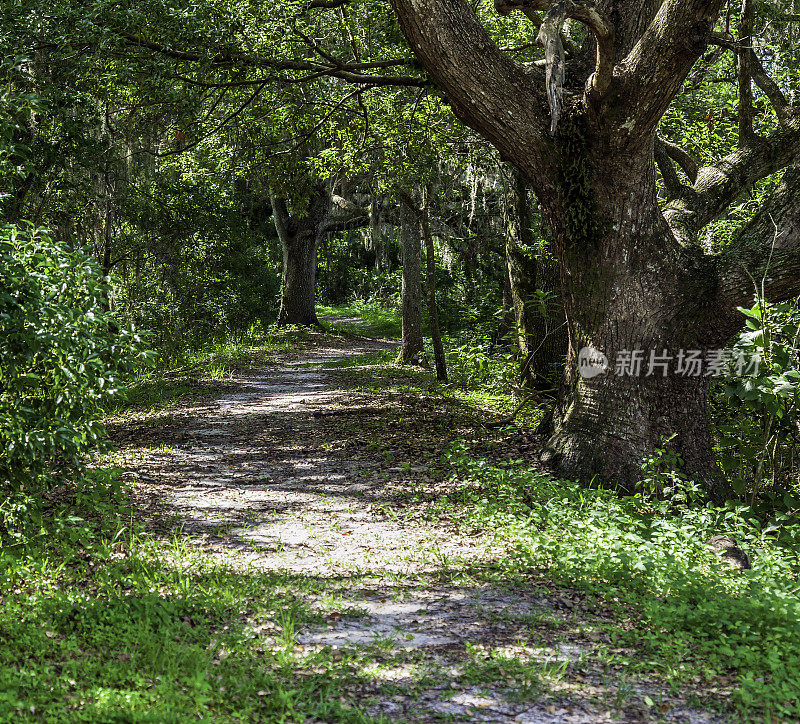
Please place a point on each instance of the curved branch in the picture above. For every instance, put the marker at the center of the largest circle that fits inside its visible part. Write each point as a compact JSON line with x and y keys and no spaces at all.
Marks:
{"x":672,"y":183}
{"x":765,"y":257}
{"x":687,"y":163}
{"x":720,"y":185}
{"x":486,"y":89}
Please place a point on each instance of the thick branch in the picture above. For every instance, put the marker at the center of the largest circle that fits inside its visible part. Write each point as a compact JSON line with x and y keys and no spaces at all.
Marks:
{"x":485,"y":88}
{"x":675,"y":189}
{"x":280,"y":214}
{"x":720,"y":185}
{"x":529,"y":8}
{"x":550,"y":38}
{"x":654,"y":70}
{"x":765,"y":257}
{"x":348,"y":217}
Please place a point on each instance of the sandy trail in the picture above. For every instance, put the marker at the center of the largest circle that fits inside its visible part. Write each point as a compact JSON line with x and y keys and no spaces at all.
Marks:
{"x":263,"y":476}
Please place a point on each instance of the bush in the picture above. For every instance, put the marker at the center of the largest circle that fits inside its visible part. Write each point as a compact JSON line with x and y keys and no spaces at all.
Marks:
{"x":61,"y":357}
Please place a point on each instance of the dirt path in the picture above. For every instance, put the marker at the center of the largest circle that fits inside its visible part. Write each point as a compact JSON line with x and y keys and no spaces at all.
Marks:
{"x":272,"y":476}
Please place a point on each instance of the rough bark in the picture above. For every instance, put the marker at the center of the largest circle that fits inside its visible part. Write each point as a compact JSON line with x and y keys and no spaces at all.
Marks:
{"x":300,"y":233}
{"x":632,"y":277}
{"x":411,"y":349}
{"x":300,"y":237}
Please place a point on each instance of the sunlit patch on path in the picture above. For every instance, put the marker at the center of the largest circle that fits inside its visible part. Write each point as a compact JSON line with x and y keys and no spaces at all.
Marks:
{"x":265,"y":477}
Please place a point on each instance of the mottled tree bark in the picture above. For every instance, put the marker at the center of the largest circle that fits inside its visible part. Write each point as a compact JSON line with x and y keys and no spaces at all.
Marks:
{"x":300,"y":237}
{"x":540,"y":332}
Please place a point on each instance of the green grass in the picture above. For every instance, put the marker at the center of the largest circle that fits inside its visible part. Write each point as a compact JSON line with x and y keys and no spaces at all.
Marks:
{"x":100,"y":622}
{"x":188,"y":373}
{"x":373,"y":319}
{"x":689,"y":620}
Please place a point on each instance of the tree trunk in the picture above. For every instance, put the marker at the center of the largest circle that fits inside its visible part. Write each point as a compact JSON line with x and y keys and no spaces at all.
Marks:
{"x":411,"y":350}
{"x":634,"y":279}
{"x":298,"y":280}
{"x":629,"y":289}
{"x":433,"y":312}
{"x":300,"y":237}
{"x":540,"y":329}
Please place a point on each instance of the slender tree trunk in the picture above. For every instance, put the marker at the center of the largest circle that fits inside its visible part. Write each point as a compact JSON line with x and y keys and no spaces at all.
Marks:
{"x":411,"y":350}
{"x":433,"y":312}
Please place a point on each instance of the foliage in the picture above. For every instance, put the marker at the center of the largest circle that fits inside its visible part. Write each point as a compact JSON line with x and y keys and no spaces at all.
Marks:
{"x":759,"y":417}
{"x":100,"y":622}
{"x":696,"y":618}
{"x":62,"y":357}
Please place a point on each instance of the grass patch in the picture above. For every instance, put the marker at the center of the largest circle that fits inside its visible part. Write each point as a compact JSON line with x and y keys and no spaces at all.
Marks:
{"x":100,"y":622}
{"x":193,"y":372}
{"x":367,"y":318}
{"x":696,"y":623}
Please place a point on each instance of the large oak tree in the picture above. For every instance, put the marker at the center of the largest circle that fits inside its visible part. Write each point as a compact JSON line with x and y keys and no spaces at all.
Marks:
{"x":634,"y":274}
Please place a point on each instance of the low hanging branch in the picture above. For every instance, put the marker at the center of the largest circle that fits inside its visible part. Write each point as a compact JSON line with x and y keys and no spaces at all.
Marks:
{"x":350,"y":72}
{"x":550,"y":38}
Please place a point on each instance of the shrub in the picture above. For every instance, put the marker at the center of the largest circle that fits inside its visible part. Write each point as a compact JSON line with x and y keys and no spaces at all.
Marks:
{"x":61,"y":357}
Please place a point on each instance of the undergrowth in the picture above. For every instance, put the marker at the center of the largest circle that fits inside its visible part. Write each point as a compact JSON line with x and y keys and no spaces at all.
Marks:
{"x":691,"y":619}
{"x":100,"y":622}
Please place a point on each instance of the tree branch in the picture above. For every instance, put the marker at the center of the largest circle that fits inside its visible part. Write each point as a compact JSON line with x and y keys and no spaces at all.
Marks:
{"x":550,"y":27}
{"x":765,"y":257}
{"x":654,"y":70}
{"x":351,"y":72}
{"x":745,"y":76}
{"x":675,"y":189}
{"x":718,"y":186}
{"x":327,"y":4}
{"x":783,"y":109}
{"x":486,"y":89}
{"x":681,"y":157}
{"x":350,"y":216}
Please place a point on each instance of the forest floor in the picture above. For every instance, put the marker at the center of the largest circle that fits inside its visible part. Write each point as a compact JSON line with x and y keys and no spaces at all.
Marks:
{"x":312,"y":481}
